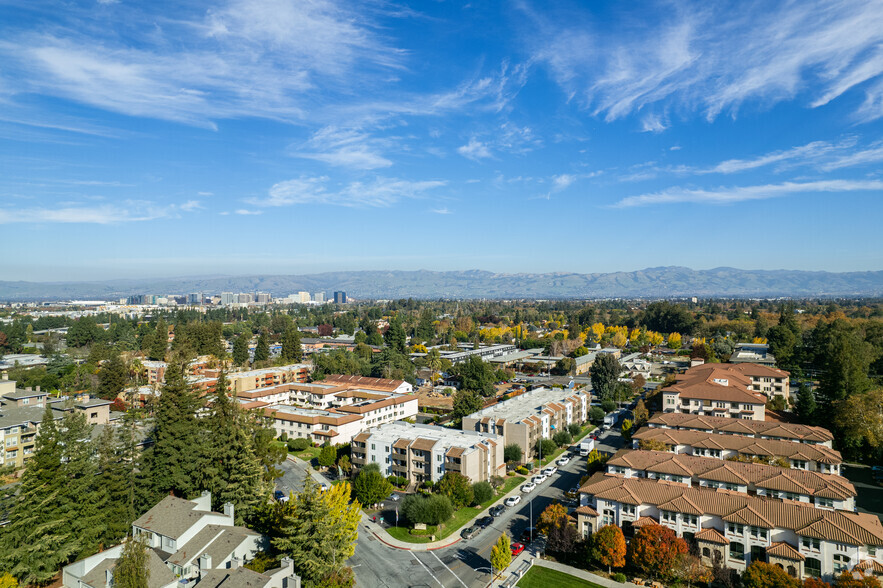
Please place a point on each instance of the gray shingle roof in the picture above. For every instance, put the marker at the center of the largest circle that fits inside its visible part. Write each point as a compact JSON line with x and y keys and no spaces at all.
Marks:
{"x":171,"y":517}
{"x":215,"y":540}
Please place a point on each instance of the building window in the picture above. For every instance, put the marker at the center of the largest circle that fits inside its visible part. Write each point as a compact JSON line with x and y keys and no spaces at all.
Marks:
{"x":810,"y":543}
{"x":735,"y":529}
{"x":609,"y":517}
{"x":758,"y":533}
{"x":737,"y":551}
{"x":813,"y":567}
{"x":841,"y":562}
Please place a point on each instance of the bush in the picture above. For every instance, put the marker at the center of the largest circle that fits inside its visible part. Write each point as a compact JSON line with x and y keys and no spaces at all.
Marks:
{"x":283,"y":437}
{"x":596,"y":415}
{"x":574,"y":429}
{"x":619,"y":577}
{"x":399,"y":481}
{"x":482,"y":492}
{"x":512,"y":452}
{"x":562,"y":438}
{"x":522,"y":470}
{"x":299,"y":444}
{"x":545,"y":447}
{"x":430,"y":510}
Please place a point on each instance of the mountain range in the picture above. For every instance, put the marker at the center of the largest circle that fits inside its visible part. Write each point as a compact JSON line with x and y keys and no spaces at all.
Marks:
{"x":659,"y":282}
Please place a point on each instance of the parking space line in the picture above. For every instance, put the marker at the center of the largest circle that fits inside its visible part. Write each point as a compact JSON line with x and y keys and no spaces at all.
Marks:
{"x":449,"y":569}
{"x":428,"y":570}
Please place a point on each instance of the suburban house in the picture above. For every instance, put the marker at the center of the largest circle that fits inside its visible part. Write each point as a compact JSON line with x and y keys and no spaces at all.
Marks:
{"x":424,"y":453}
{"x":526,"y":418}
{"x":186,"y":540}
{"x":714,"y":390}
{"x":744,"y":428}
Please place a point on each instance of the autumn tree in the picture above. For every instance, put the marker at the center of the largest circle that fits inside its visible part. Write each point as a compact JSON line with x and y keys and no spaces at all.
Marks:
{"x":501,"y":553}
{"x":608,"y":547}
{"x":763,"y":575}
{"x":652,"y":445}
{"x":689,"y":569}
{"x":675,"y":341}
{"x":847,"y":579}
{"x":555,"y":524}
{"x":641,"y":413}
{"x":654,"y":550}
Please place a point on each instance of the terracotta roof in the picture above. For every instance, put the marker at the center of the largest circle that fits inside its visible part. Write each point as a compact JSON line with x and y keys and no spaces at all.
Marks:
{"x":712,"y":536}
{"x":586,"y":510}
{"x":705,"y":382}
{"x":782,"y":549}
{"x":774,"y":429}
{"x":833,"y":525}
{"x":644,"y":521}
{"x":368,"y":407}
{"x":870,"y":564}
{"x":454,"y":451}
{"x":365,"y":382}
{"x":362,"y":437}
{"x":742,"y":445}
{"x":734,"y":472}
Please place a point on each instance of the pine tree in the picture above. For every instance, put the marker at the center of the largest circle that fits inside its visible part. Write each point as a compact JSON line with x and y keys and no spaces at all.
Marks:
{"x":231,"y":470}
{"x":262,"y":349}
{"x":77,"y":498}
{"x":173,"y":460}
{"x":131,"y":569}
{"x":38,"y":540}
{"x":291,"y":348}
{"x":160,"y":341}
{"x":112,"y":378}
{"x":240,"y":350}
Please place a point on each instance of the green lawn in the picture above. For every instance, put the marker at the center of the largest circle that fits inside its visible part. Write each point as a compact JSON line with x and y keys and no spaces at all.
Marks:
{"x":460,"y":518}
{"x":538,"y":577}
{"x":308,"y":454}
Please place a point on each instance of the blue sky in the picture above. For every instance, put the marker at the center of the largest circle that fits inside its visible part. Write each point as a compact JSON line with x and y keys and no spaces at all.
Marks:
{"x":142,"y":139}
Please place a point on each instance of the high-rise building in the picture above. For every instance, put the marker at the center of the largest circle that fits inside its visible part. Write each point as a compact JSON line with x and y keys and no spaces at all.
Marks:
{"x":262,"y":298}
{"x":319,"y":297}
{"x":194,"y":298}
{"x":340,"y":297}
{"x":227,"y":298}
{"x":303,"y":297}
{"x":244,"y":298}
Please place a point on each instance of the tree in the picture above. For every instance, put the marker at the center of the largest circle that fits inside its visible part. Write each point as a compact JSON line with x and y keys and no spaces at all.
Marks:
{"x":465,"y":403}
{"x":160,"y":341}
{"x":847,"y":579}
{"x":550,"y":517}
{"x":291,"y":348}
{"x":482,"y":492}
{"x":604,"y":373}
{"x":667,"y":317}
{"x":545,"y":447}
{"x":555,"y":524}
{"x":132,"y":568}
{"x":501,"y":553}
{"x":327,"y":456}
{"x":345,"y":464}
{"x":608,"y":547}
{"x":688,"y":568}
{"x":654,"y":550}
{"x":593,"y":461}
{"x":763,"y":575}
{"x":512,"y":452}
{"x":475,"y":374}
{"x":456,"y":486}
{"x":627,"y":429}
{"x":641,"y":413}
{"x":574,"y":429}
{"x":262,"y":349}
{"x":859,"y":418}
{"x":318,"y":530}
{"x":806,"y":404}
{"x":596,"y":414}
{"x":608,"y":405}
{"x":652,"y":445}
{"x":395,"y":337}
{"x":370,"y":487}
{"x":112,"y":378}
{"x":8,"y":581}
{"x":811,"y":582}
{"x":562,"y":438}
{"x":433,"y":509}
{"x":675,"y":341}
{"x":240,"y":349}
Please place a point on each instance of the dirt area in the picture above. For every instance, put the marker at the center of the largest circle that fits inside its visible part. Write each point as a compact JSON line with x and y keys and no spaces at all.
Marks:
{"x":427,"y":398}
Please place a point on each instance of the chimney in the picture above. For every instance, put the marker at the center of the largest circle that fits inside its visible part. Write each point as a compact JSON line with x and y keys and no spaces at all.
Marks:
{"x":234,"y":563}
{"x":287,"y":564}
{"x":29,"y":389}
{"x":228,"y":510}
{"x":38,"y":388}
{"x":108,"y":578}
{"x":5,"y":376}
{"x":205,"y":564}
{"x":292,"y":581}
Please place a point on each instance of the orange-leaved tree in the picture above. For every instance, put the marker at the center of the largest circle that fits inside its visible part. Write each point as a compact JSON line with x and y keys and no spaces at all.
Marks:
{"x":763,"y":575}
{"x":848,"y":579}
{"x":655,"y":549}
{"x":608,"y":547}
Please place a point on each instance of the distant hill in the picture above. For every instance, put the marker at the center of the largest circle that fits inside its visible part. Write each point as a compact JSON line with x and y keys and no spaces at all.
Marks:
{"x":656,"y":282}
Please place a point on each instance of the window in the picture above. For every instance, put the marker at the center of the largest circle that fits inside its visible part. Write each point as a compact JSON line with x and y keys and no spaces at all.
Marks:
{"x":735,"y":529}
{"x":826,"y":502}
{"x":630,"y":510}
{"x":758,"y":533}
{"x":737,"y":551}
{"x":810,"y":543}
{"x":841,"y":562}
{"x":669,"y":516}
{"x":690,"y":519}
{"x":872,"y":551}
{"x":609,"y":517}
{"x":812,"y":567}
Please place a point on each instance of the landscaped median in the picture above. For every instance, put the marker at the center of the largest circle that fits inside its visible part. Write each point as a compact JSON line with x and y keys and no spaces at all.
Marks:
{"x":455,"y":523}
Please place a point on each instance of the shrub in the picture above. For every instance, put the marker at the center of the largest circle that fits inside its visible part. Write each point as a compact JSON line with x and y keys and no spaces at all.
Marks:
{"x":430,"y":510}
{"x":482,"y":492}
{"x":298,"y":444}
{"x":574,"y":429}
{"x":608,"y":406}
{"x":512,"y":452}
{"x":619,"y":577}
{"x":562,"y":438}
{"x":283,"y":437}
{"x":522,"y":470}
{"x":596,"y":414}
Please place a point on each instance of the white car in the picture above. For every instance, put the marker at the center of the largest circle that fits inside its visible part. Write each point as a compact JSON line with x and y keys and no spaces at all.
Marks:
{"x":563,"y":461}
{"x":549,"y":471}
{"x":539,"y":478}
{"x":529,"y":487}
{"x":512,"y":500}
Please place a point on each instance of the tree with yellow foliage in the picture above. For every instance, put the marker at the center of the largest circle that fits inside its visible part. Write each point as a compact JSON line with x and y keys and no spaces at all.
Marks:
{"x":619,"y":339}
{"x":8,"y":581}
{"x":501,"y":554}
{"x":598,"y":331}
{"x":655,"y":339}
{"x":674,"y":341}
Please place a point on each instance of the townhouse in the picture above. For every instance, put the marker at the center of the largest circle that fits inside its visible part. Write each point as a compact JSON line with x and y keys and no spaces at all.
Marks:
{"x":715,"y":391}
{"x":745,"y":428}
{"x":735,"y":528}
{"x":803,"y":456}
{"x":819,"y":490}
{"x":424,"y":453}
{"x":187,"y":542}
{"x":366,"y":383}
{"x":526,"y":418}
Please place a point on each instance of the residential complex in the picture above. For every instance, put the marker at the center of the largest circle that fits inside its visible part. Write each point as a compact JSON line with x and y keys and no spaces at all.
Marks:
{"x":378,"y":384}
{"x":526,"y":418}
{"x":423,"y":453}
{"x":744,"y":428}
{"x":187,"y":542}
{"x":758,"y":353}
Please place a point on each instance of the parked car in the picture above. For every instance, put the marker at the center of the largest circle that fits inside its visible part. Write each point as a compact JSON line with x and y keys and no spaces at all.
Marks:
{"x":469,"y":532}
{"x":496,"y":511}
{"x":280,"y":496}
{"x":513,"y":500}
{"x":485,"y":522}
{"x":539,"y":479}
{"x":572,"y":493}
{"x":529,"y":487}
{"x":394,"y":496}
{"x":528,"y":535}
{"x":563,"y":461}
{"x":516,"y":548}
{"x":549,"y":471}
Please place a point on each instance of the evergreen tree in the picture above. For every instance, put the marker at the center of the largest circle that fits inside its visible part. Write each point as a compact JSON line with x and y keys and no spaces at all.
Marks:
{"x":395,"y":337}
{"x":115,"y":483}
{"x":262,"y":349}
{"x":231,"y":471}
{"x":160,"y":341}
{"x":806,"y":405}
{"x":173,"y":460}
{"x":291,"y":349}
{"x":79,"y":468}
{"x":38,"y":540}
{"x":605,"y":375}
{"x":240,"y":350}
{"x":112,"y":378}
{"x":132,"y":569}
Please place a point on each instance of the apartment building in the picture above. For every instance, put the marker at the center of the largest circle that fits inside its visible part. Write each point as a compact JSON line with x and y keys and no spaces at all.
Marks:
{"x":365,"y":383}
{"x":757,"y":353}
{"x":819,"y":490}
{"x":714,"y":391}
{"x":745,"y":428}
{"x":187,"y":542}
{"x":737,"y":528}
{"x":425,"y":452}
{"x":803,"y":456}
{"x":526,"y":418}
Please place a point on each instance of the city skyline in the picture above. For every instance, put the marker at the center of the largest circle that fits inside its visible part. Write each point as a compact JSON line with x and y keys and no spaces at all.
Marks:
{"x":251,"y":137}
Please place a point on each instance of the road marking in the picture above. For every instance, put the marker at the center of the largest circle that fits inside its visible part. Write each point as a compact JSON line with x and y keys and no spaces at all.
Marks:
{"x":427,"y":569}
{"x":449,"y":569}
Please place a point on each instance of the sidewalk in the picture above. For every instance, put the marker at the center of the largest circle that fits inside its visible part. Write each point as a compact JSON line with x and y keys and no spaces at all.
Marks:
{"x":575,"y":572}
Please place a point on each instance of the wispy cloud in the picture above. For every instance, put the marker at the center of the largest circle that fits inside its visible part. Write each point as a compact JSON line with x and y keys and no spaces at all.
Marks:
{"x":191,"y":205}
{"x":811,"y":152}
{"x":743,"y":193}
{"x":130,"y":211}
{"x":380,"y":192}
{"x":205,"y":194}
{"x":475,"y":150}
{"x":709,"y":58}
{"x":441,"y":211}
{"x":351,"y":148}
{"x":246,"y":212}
{"x":653,"y":123}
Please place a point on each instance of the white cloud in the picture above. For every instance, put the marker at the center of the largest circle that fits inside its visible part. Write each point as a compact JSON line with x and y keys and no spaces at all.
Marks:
{"x":191,"y":205}
{"x":351,"y":148}
{"x":246,"y":212}
{"x":129,"y":211}
{"x":653,"y":123}
{"x":205,"y":193}
{"x":710,"y":58}
{"x":381,"y":192}
{"x":742,"y":193}
{"x":802,"y":154}
{"x":873,"y":154}
{"x":441,"y":211}
{"x":563,"y":181}
{"x":474,"y":150}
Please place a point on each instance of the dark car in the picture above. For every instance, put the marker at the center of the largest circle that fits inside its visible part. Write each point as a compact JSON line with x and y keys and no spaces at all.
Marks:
{"x":497,"y":510}
{"x":528,"y":535}
{"x":280,"y":496}
{"x":485,"y":522}
{"x":469,"y":532}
